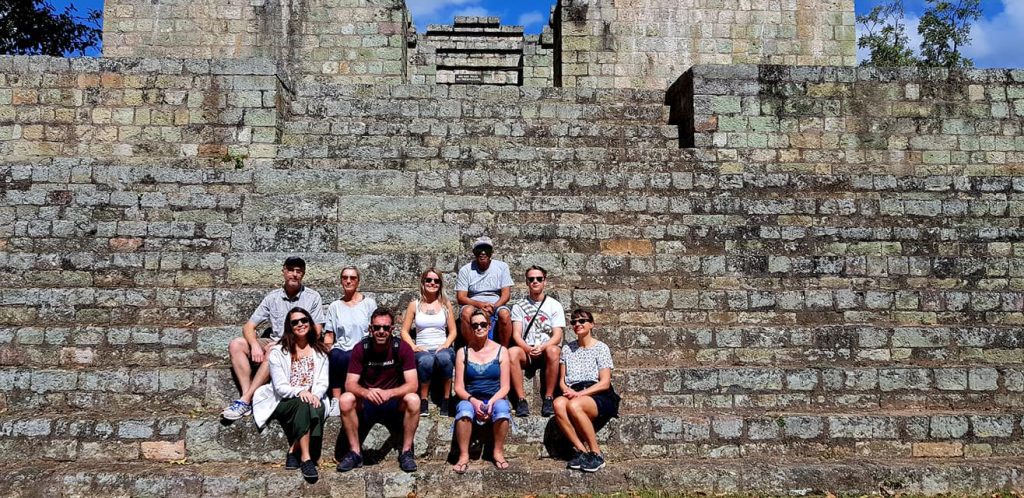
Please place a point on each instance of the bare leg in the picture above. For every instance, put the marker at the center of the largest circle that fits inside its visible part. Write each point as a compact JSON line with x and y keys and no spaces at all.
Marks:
{"x":304,"y":448}
{"x":350,"y":420}
{"x":583,"y":411}
{"x":517,"y":360}
{"x":500,"y":431}
{"x":467,"y":313}
{"x":262,"y":377}
{"x":504,"y":333}
{"x":447,"y":388}
{"x":424,"y":390}
{"x":238,"y":349}
{"x":551,"y":356}
{"x":463,"y":431}
{"x":562,"y":418}
{"x":411,"y":405}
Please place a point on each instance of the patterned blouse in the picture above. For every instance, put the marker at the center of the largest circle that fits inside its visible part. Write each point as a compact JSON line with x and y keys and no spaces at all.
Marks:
{"x":302,"y":372}
{"x":585,"y":364}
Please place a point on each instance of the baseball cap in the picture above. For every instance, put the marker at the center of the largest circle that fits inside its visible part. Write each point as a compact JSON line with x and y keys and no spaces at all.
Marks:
{"x":483,"y":241}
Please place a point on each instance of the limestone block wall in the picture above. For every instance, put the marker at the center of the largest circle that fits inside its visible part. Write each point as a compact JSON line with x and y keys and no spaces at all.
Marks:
{"x":354,"y":41}
{"x":133,"y":108}
{"x":649,"y":43}
{"x":200,"y":29}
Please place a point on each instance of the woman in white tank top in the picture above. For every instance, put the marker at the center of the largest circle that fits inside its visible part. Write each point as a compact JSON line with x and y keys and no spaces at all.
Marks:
{"x":434,"y":320}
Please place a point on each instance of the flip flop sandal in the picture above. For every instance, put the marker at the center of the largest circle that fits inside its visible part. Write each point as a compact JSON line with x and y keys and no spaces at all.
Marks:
{"x":460,"y":468}
{"x":500,"y":464}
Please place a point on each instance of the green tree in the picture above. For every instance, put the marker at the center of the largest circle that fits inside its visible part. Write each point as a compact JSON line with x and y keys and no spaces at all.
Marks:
{"x":33,"y":27}
{"x":945,"y":28}
{"x":885,"y":36}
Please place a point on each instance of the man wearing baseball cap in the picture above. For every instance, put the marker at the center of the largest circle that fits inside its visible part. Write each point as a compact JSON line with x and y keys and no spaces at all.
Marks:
{"x":485,"y":284}
{"x":252,"y":349}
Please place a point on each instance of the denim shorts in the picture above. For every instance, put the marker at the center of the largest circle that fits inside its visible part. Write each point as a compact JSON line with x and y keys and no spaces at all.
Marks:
{"x":501,"y":411}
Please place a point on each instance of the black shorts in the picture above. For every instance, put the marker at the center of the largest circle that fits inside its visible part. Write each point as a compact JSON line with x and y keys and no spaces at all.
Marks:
{"x":389,"y":414}
{"x":607,"y":401}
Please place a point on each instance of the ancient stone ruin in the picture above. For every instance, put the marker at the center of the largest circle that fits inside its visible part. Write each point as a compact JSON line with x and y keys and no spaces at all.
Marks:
{"x":811,"y":275}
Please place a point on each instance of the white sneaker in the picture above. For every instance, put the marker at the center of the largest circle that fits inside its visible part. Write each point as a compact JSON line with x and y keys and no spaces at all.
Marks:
{"x":236,"y":410}
{"x":333,"y":410}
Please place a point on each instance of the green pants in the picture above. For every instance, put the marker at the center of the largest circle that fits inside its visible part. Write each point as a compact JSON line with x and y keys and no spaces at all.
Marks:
{"x":298,"y":417}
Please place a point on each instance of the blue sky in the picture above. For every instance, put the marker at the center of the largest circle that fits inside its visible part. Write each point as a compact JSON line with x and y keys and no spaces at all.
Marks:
{"x":996,"y":37}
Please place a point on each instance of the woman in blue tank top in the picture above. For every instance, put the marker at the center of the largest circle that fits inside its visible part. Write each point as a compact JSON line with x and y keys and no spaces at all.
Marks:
{"x":482,"y":382}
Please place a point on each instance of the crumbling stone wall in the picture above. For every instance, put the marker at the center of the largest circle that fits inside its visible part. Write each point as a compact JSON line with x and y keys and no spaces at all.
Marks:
{"x":649,"y":43}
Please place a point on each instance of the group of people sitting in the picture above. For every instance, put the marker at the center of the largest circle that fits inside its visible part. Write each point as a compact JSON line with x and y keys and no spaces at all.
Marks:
{"x":351,"y":363}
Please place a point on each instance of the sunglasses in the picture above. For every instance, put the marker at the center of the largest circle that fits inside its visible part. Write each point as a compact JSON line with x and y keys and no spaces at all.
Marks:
{"x":349,"y":277}
{"x":432,"y":281}
{"x":380,"y":328}
{"x":579,"y":321}
{"x":478,"y":325}
{"x":299,"y":321}
{"x":535,"y":279}
{"x":483,"y":251}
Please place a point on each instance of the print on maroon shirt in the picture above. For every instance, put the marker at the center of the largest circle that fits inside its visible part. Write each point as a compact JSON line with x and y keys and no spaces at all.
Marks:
{"x":377,"y":370}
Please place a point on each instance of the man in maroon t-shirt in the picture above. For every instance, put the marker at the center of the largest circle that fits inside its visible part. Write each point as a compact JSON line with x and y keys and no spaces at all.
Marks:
{"x":380,"y":388}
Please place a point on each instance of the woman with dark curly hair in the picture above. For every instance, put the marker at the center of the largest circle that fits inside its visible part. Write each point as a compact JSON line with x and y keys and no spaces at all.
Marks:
{"x":297,"y":391}
{"x":586,"y":381}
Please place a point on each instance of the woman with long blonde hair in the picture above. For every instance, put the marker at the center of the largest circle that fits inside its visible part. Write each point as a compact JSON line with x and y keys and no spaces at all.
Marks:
{"x":434,"y":320}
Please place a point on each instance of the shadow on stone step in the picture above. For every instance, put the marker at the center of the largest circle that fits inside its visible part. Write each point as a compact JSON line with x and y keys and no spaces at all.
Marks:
{"x":556,"y":444}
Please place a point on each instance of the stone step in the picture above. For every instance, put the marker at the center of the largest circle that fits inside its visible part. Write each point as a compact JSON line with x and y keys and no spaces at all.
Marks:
{"x":202,"y":438}
{"x":525,"y":477}
{"x":631,"y":345}
{"x":202,"y":387}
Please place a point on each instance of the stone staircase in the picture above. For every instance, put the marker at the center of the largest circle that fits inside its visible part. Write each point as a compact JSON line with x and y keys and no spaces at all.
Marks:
{"x":782,"y":322}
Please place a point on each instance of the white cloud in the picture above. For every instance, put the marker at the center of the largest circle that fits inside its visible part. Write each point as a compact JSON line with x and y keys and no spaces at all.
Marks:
{"x":529,"y":19}
{"x":995,"y":42}
{"x":474,"y":10}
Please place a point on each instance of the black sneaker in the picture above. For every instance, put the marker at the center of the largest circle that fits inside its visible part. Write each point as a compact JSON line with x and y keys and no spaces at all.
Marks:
{"x":351,"y":461}
{"x":547,"y":409}
{"x":576,"y":462}
{"x":407,"y":461}
{"x":424,"y":406}
{"x":592,"y":462}
{"x":291,"y":462}
{"x":309,"y":471}
{"x":522,"y":408}
{"x":446,"y":409}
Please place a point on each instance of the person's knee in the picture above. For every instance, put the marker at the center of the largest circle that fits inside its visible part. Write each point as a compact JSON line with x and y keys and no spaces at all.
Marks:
{"x":505,"y":315}
{"x":411,"y":403}
{"x":576,"y":406}
{"x":467,"y":312}
{"x":464,"y":411}
{"x":516,"y":354}
{"x":552,"y":353}
{"x":347,"y":402}
{"x":446,"y":361}
{"x":561,"y":406}
{"x":238,"y":346}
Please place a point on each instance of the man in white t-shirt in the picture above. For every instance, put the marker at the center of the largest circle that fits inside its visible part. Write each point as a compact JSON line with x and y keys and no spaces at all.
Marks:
{"x":485,"y":284}
{"x":537,"y":323}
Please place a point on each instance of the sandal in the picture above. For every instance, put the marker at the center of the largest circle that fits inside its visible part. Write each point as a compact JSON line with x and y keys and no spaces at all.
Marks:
{"x":460,"y":468}
{"x":501,"y":464}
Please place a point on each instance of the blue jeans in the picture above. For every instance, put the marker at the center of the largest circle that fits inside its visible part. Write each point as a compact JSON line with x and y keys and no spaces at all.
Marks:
{"x":429,"y":362}
{"x":501,"y":411}
{"x":338,"y":369}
